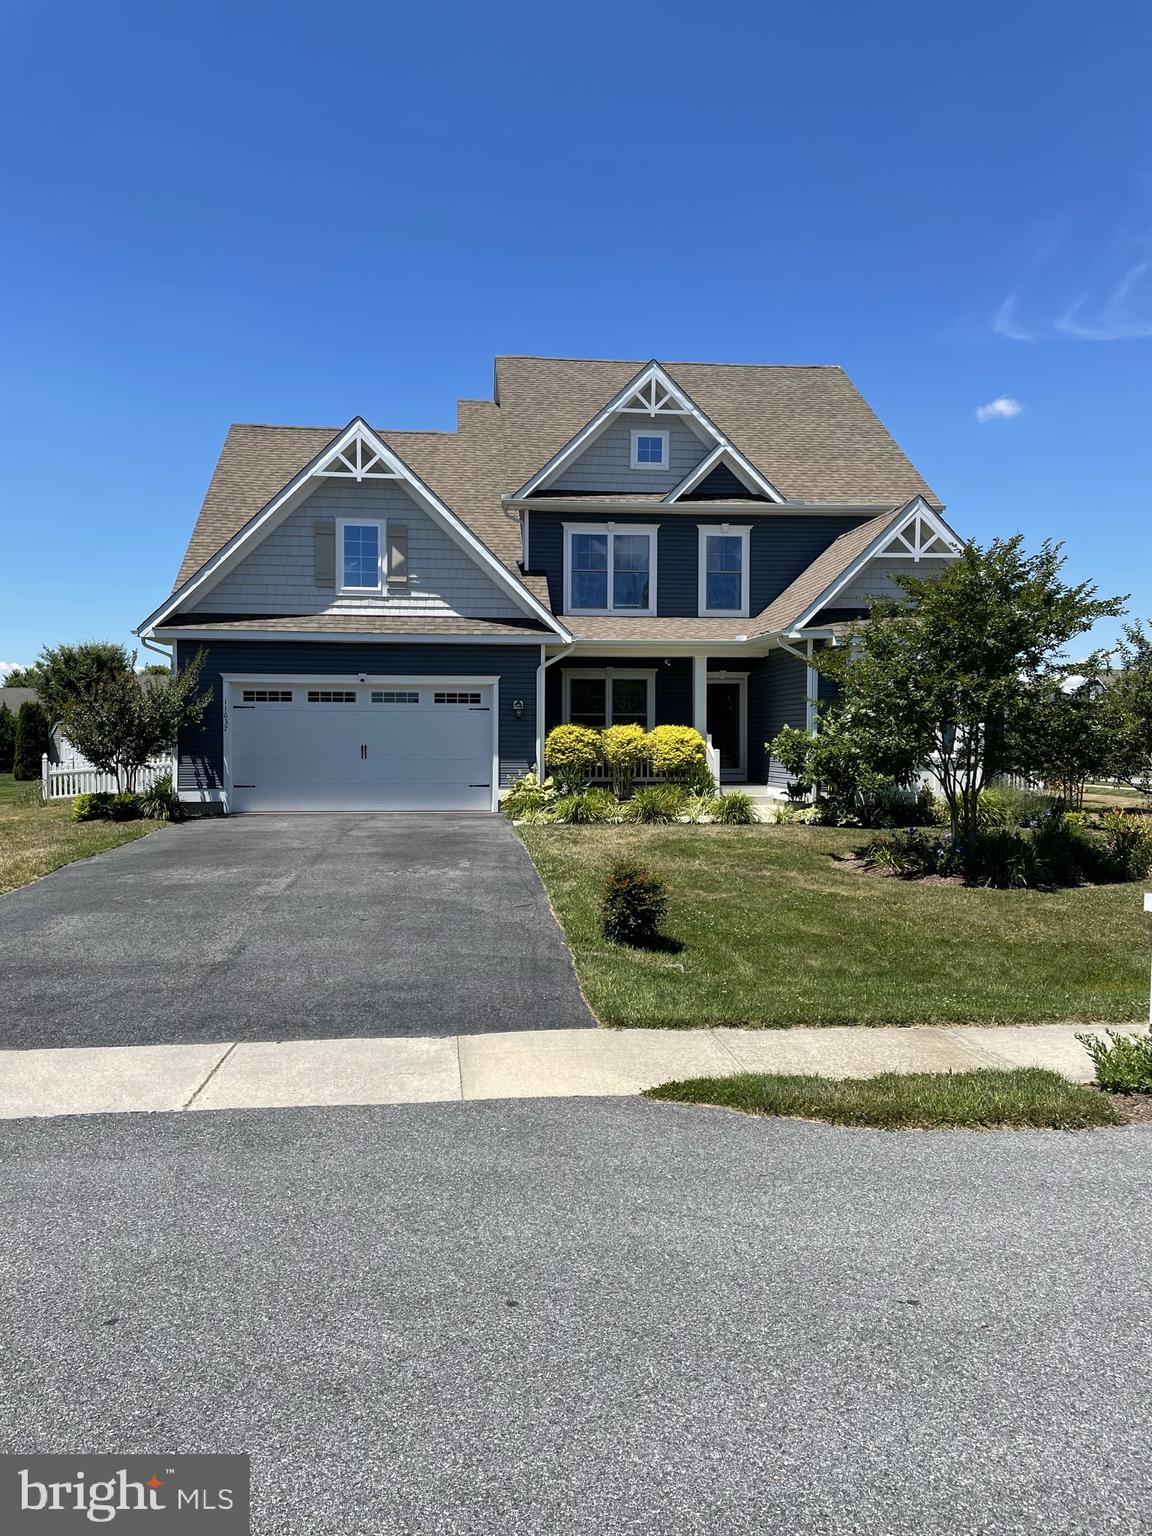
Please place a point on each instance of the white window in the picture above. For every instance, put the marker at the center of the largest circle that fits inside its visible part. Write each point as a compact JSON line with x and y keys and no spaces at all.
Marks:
{"x":456,"y":696}
{"x":331,"y":696}
{"x":267,"y":696}
{"x":610,"y":568}
{"x":724,"y":569}
{"x":394,"y":696}
{"x":649,"y":449}
{"x":360,"y":554}
{"x":604,"y":696}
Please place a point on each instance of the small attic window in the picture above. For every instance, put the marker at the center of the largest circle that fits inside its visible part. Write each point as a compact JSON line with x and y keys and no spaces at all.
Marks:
{"x":649,"y":450}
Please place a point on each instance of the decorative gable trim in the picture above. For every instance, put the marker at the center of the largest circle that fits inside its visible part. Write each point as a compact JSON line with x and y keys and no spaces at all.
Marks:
{"x":356,"y":454}
{"x":746,"y":472}
{"x":654,"y":394}
{"x":917,"y":533}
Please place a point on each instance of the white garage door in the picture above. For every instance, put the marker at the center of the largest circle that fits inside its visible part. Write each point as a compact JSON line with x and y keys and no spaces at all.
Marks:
{"x":383,"y":746}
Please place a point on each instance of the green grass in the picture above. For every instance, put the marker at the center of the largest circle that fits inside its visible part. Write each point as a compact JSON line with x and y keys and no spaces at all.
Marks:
{"x":36,"y":838}
{"x":1027,"y":1098}
{"x":1118,"y":796}
{"x":776,"y":932}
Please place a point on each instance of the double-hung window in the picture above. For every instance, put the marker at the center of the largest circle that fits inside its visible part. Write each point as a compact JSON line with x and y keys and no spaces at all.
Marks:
{"x":610,"y":568}
{"x":360,"y":556}
{"x":724,"y":569}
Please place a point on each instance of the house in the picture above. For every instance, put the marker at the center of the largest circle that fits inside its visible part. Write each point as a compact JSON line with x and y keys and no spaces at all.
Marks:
{"x":394,"y":620}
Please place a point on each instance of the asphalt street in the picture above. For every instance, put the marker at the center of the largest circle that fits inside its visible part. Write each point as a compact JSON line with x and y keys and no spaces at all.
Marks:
{"x":590,"y":1316}
{"x":288,"y":928}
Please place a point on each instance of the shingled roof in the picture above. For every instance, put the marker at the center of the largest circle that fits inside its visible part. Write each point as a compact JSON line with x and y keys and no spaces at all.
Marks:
{"x":808,"y":430}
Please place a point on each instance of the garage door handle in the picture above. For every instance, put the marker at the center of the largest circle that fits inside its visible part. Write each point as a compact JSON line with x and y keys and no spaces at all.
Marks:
{"x":364,"y":752}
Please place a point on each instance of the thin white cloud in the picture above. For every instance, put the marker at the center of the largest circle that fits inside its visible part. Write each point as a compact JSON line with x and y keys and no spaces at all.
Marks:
{"x":1005,"y":323}
{"x":1125,"y":314}
{"x":9,"y":666}
{"x":1000,"y":409}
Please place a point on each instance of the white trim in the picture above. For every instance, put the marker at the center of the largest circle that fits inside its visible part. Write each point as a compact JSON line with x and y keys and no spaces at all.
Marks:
{"x":741,"y":467}
{"x":740,"y":772}
{"x":608,"y":675}
{"x":743,"y":531}
{"x":610,"y":530}
{"x":359,"y":637}
{"x":634,"y":439}
{"x":812,"y":695}
{"x":917,"y":511}
{"x":356,"y":680}
{"x":381,"y":527}
{"x":301,"y":486}
{"x":656,"y":395}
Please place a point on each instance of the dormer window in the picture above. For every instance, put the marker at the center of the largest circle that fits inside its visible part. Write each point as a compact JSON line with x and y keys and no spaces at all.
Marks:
{"x":724,"y":569}
{"x":649,"y":449}
{"x":360,"y":551}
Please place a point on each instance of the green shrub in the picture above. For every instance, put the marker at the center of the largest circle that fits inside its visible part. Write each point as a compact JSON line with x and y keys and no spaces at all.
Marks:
{"x":31,"y":741}
{"x":909,"y":853}
{"x":7,"y":738}
{"x":536,"y":817}
{"x":572,"y":753}
{"x":528,"y":794}
{"x":1123,"y":1062}
{"x":677,"y":752}
{"x":894,"y":806}
{"x":624,"y":749}
{"x":125,"y":806}
{"x":734,"y":809}
{"x":633,"y":906}
{"x":1008,"y":807}
{"x":782,"y":813}
{"x":1126,"y":847}
{"x":658,"y":803}
{"x":698,"y":807}
{"x":161,"y":803}
{"x":697,"y":780}
{"x":1006,"y":858}
{"x":1065,"y":849}
{"x":591,"y":805}
{"x":97,"y":807}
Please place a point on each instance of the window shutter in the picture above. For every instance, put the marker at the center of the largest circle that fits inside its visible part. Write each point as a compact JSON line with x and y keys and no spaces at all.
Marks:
{"x":397,"y":554}
{"x":324,"y":553}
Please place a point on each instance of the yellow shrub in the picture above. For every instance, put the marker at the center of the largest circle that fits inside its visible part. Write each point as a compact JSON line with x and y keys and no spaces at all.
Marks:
{"x":624,"y":748}
{"x":572,"y":753}
{"x":676,"y":751}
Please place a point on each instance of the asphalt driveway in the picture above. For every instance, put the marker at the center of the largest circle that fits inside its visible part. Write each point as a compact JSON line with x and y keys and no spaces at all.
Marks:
{"x":591,"y":1317}
{"x":288,"y":927}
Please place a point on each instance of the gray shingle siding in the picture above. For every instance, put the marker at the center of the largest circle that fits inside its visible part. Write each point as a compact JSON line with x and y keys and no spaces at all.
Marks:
{"x":782,"y":547}
{"x":605,"y":465}
{"x":201,"y":752}
{"x":875,"y":580}
{"x":279,"y":574}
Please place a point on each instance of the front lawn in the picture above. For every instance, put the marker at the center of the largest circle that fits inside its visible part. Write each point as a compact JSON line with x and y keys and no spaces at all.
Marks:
{"x":1026,"y":1098}
{"x":36,"y":838}
{"x":775,"y":933}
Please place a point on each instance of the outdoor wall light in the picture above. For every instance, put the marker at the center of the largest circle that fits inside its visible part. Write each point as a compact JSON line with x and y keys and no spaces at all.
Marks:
{"x":518,"y":708}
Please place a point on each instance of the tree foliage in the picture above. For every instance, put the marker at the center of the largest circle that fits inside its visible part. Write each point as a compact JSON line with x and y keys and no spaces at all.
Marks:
{"x":68,"y":674}
{"x":7,"y":738}
{"x":21,"y":677}
{"x":31,"y":741}
{"x":1064,"y":737}
{"x":119,"y":726}
{"x":1128,"y":703}
{"x":946,"y":680}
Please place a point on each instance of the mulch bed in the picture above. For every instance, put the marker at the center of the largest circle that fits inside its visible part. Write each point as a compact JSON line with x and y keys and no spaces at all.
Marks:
{"x":1135,"y":1107}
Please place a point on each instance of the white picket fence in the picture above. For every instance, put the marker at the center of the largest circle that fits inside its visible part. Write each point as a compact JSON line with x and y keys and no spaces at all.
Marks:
{"x":65,"y":783}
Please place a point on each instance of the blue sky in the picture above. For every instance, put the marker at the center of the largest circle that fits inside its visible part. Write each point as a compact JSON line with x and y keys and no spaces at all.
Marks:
{"x":294,"y":213}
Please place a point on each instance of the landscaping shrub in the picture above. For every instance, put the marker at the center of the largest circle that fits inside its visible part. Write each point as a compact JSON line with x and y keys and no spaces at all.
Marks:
{"x":124,"y":806}
{"x":590,"y":806}
{"x":1127,"y":847}
{"x":1123,"y":1062}
{"x":528,"y":794}
{"x":31,"y":741}
{"x":698,"y":780}
{"x":161,"y":803}
{"x":659,"y":803}
{"x":1008,"y":807}
{"x":624,"y":748}
{"x":1065,"y":848}
{"x":572,"y":753}
{"x":7,"y":738}
{"x":1005,"y":857}
{"x":677,"y":752}
{"x":734,"y":809}
{"x":911,"y":853}
{"x":96,"y":807}
{"x":894,"y":806}
{"x":698,"y":807}
{"x":634,"y":905}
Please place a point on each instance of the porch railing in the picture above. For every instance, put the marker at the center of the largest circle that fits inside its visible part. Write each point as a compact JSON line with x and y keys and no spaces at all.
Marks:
{"x":65,"y":783}
{"x":644,"y":773}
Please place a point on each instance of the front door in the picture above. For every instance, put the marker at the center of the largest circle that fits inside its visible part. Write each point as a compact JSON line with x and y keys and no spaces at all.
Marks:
{"x":726,"y":714}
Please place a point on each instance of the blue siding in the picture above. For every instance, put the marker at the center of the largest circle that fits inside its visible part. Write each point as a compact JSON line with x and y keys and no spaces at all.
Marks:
{"x":782,"y":547}
{"x":673,"y":685}
{"x":783,"y":689}
{"x":202,"y":751}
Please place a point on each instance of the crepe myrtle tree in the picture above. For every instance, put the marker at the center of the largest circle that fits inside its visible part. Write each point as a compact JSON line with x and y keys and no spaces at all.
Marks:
{"x":945,"y":679}
{"x":1127,"y":703}
{"x":119,"y":726}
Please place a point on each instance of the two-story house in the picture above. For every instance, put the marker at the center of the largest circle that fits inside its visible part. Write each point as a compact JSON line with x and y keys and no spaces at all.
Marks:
{"x":394,"y":620}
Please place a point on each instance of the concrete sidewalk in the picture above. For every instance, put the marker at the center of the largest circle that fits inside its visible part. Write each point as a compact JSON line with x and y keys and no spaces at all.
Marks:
{"x":568,"y":1063}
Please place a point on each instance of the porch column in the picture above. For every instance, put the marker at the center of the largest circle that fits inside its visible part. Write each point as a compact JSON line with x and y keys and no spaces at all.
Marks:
{"x":700,"y":692}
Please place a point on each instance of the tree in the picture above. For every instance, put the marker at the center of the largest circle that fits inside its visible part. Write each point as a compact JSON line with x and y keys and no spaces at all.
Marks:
{"x":1066,"y":737}
{"x":945,"y":680}
{"x":154,"y":669}
{"x":21,"y":677}
{"x":66,"y":674}
{"x":836,"y":758}
{"x":7,"y":738}
{"x":31,"y":741}
{"x":120,"y":726}
{"x":1128,"y":701}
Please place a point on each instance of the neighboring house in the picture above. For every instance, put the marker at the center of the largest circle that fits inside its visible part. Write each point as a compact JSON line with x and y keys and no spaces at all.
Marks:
{"x":394,"y":620}
{"x":61,"y":752}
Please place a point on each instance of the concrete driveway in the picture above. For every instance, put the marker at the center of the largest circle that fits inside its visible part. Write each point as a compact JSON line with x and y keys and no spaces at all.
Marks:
{"x":591,"y":1317}
{"x":288,"y":927}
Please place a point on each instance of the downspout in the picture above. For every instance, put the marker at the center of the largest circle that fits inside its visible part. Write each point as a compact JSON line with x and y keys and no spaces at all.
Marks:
{"x":168,"y":655}
{"x":545,"y":663}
